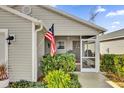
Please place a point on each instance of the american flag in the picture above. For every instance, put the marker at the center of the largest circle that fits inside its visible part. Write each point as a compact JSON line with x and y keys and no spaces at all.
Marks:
{"x":50,"y":36}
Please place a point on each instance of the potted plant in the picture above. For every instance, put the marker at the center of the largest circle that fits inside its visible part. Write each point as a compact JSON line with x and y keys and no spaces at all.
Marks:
{"x":4,"y":81}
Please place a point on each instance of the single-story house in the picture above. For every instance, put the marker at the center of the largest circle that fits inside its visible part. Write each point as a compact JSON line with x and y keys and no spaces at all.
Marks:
{"x":25,"y":27}
{"x":112,"y":43}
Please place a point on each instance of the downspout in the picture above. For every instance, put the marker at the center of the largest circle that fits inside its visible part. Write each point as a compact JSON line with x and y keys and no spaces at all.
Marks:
{"x":39,"y":29}
{"x":34,"y":49}
{"x":42,"y":25}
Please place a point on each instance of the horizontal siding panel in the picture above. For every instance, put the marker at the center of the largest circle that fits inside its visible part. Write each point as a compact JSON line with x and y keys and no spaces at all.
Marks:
{"x":22,"y":74}
{"x":115,"y":47}
{"x":18,"y":66}
{"x":20,"y":71}
{"x":20,"y":51}
{"x":17,"y":26}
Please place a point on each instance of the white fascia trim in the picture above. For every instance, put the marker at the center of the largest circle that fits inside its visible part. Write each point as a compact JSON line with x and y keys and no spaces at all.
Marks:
{"x":34,"y":53}
{"x":112,"y":38}
{"x":6,"y":45}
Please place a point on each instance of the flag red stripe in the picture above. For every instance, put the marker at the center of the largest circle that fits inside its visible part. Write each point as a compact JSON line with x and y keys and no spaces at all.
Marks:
{"x":48,"y":38}
{"x":51,"y":38}
{"x":49,"y":35}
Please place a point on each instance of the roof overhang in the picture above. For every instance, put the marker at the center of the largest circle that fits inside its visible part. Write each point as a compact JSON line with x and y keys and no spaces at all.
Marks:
{"x":115,"y":35}
{"x":101,"y":29}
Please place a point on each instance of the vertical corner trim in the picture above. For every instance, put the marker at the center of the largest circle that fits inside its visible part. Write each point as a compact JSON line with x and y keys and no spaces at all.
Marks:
{"x":34,"y":53}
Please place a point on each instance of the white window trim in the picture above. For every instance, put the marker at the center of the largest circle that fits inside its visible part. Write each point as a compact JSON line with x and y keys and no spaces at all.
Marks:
{"x":34,"y":53}
{"x":64,"y":44}
{"x":6,"y":45}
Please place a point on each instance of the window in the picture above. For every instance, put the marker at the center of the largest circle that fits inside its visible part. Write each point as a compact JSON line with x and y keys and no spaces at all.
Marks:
{"x":60,"y":45}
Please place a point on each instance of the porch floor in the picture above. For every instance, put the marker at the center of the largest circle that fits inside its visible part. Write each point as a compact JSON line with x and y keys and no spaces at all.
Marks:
{"x":92,"y":80}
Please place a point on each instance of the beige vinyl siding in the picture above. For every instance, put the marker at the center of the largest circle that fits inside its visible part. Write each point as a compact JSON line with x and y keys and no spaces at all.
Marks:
{"x":115,"y":47}
{"x":20,"y":51}
{"x":63,"y":25}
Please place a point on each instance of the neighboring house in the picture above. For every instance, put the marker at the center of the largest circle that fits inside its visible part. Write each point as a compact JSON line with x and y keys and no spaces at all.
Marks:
{"x":28,"y":25}
{"x":112,"y":43}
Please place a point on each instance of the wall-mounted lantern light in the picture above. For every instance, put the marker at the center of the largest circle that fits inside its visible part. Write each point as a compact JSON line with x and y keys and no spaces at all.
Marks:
{"x":10,"y":38}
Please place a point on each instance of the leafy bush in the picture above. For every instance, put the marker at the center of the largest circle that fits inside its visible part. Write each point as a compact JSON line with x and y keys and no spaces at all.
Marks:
{"x":113,"y":64}
{"x":56,"y":71}
{"x":65,"y":62}
{"x":74,"y":81}
{"x":26,"y":84}
{"x":58,"y":79}
{"x":107,"y":63}
{"x":119,"y":65}
{"x":39,"y":85}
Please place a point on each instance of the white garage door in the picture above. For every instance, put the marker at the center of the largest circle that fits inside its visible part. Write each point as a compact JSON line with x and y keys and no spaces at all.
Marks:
{"x":3,"y":46}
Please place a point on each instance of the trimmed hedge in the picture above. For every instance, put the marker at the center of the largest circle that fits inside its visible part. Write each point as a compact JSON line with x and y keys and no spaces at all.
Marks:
{"x":113,"y":64}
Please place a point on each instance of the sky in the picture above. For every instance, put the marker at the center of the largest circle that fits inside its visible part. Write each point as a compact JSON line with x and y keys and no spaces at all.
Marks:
{"x":110,"y":17}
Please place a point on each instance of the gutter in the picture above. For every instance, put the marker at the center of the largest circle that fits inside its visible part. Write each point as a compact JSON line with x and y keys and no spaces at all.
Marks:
{"x":112,"y":38}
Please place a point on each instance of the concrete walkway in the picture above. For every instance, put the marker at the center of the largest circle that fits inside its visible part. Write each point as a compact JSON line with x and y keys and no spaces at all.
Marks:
{"x":92,"y":80}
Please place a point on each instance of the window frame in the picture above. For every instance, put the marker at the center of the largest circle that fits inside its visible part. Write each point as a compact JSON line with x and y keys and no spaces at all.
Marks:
{"x":63,"y":45}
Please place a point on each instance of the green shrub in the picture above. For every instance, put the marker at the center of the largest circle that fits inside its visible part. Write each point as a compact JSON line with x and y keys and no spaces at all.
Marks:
{"x":56,"y":71}
{"x":113,"y":64}
{"x":119,"y":65}
{"x":26,"y":84}
{"x":68,"y":62}
{"x":39,"y":85}
{"x":65,"y":62}
{"x":58,"y":79}
{"x":107,"y":63}
{"x":74,"y":81}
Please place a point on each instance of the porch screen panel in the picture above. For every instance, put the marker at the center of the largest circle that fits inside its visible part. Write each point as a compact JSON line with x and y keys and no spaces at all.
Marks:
{"x":88,"y":54}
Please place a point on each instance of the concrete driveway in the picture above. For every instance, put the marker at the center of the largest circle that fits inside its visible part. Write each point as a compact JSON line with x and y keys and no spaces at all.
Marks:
{"x":92,"y":80}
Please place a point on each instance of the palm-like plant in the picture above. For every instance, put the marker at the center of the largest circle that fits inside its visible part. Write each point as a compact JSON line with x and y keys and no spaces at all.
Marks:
{"x":3,"y":72}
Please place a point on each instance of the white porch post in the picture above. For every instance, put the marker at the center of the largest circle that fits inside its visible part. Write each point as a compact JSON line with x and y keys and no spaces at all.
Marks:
{"x":80,"y":53}
{"x":97,"y":54}
{"x":34,"y":53}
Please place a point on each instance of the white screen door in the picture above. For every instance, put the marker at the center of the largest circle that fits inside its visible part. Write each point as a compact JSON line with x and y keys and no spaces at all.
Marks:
{"x":88,"y":55}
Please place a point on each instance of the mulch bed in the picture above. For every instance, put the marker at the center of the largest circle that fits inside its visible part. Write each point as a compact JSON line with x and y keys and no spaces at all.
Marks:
{"x":41,"y":78}
{"x":118,"y":80}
